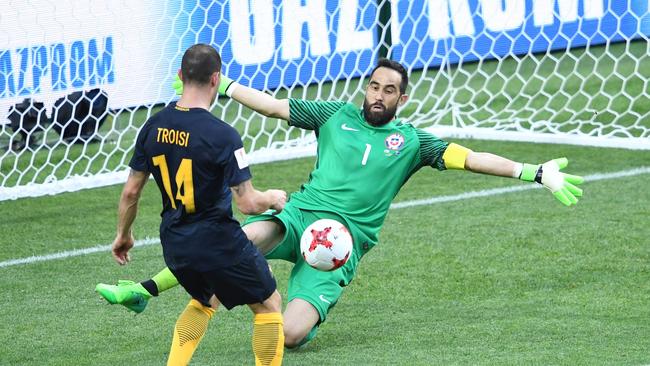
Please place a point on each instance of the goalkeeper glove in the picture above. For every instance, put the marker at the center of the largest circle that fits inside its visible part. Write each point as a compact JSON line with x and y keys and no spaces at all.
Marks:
{"x":563,"y":186}
{"x":226,"y":85}
{"x":178,"y":85}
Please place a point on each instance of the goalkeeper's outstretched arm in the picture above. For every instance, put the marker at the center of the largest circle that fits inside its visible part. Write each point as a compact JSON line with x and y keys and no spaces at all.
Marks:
{"x":562,"y":185}
{"x":254,"y":99}
{"x":486,"y":163}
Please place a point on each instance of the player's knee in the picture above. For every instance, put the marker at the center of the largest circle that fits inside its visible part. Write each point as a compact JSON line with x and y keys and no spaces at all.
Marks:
{"x":274,"y":302}
{"x":214,"y":302}
{"x":250,"y":232}
{"x":265,"y":235}
{"x":297,"y":330}
{"x":292,"y":336}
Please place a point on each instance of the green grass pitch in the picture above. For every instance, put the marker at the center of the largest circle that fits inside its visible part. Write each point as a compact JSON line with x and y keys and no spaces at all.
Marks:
{"x":509,"y":279}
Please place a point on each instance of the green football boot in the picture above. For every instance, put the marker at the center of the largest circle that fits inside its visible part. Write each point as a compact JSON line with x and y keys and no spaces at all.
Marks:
{"x":128,"y":293}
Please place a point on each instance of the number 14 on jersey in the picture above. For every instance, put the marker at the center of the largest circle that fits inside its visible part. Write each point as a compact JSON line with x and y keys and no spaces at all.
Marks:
{"x":184,"y":182}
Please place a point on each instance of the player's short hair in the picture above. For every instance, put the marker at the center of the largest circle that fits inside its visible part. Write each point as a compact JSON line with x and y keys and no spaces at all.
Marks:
{"x":394,"y":65}
{"x":199,"y":63}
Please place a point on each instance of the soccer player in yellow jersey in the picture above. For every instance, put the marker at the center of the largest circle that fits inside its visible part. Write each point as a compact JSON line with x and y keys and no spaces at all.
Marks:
{"x":365,"y":155}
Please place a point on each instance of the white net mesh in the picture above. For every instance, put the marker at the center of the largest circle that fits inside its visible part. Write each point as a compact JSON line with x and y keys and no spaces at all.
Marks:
{"x":78,"y":79}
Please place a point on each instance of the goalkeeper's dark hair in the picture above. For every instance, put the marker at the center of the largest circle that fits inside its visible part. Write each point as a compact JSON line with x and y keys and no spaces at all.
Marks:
{"x":199,"y":63}
{"x":394,"y":65}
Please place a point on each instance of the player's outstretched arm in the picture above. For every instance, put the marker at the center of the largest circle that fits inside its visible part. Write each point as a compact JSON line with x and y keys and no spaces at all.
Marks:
{"x":250,"y":201}
{"x":254,"y":99}
{"x":562,"y":185}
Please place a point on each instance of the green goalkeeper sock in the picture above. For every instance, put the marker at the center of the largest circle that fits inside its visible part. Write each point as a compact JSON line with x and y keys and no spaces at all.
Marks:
{"x":164,"y":280}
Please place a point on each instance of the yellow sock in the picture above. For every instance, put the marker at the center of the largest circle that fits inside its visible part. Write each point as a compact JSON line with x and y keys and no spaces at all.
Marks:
{"x":268,"y":339}
{"x":190,"y":328}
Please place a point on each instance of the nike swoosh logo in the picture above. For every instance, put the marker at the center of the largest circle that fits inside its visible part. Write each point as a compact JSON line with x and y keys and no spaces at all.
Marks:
{"x":322,"y":298}
{"x":345,"y":127}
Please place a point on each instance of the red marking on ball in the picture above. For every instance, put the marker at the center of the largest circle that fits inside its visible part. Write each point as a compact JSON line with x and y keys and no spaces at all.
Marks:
{"x":320,"y":238}
{"x":339,"y":262}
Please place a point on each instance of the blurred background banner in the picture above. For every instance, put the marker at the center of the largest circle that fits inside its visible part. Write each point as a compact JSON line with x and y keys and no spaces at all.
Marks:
{"x":130,"y":49}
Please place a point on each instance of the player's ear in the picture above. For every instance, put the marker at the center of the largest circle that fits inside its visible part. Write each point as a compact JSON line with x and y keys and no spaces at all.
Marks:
{"x":402,"y":99}
{"x":214,"y":79}
{"x":180,"y":74}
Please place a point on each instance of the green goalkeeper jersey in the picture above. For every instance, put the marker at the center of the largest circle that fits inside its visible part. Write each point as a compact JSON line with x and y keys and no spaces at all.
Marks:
{"x":360,"y":168}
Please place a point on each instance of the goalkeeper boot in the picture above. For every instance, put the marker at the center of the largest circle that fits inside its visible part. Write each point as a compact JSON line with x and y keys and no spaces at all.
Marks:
{"x":127,"y":293}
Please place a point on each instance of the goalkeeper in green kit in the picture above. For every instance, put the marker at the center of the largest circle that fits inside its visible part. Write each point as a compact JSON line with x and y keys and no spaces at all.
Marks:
{"x":365,"y":155}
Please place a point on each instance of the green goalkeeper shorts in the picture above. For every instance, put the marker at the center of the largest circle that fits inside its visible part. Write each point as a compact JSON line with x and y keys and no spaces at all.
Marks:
{"x":319,"y":288}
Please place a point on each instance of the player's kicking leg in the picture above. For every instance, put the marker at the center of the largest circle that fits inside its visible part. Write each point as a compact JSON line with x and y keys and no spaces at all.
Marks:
{"x":128,"y":293}
{"x":265,"y":235}
{"x":135,"y":296}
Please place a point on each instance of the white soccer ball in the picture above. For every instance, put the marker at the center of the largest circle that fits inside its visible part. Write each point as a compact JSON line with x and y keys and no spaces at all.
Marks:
{"x":326,"y":244}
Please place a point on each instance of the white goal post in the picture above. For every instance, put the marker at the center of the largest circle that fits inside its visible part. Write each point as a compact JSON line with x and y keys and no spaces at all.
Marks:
{"x":79,"y":78}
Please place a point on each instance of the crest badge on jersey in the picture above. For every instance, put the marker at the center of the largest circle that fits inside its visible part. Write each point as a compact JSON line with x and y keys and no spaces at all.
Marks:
{"x":241,"y":157}
{"x":394,"y":144}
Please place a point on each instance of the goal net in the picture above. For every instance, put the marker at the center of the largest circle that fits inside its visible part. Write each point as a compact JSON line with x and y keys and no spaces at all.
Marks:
{"x":78,"y":79}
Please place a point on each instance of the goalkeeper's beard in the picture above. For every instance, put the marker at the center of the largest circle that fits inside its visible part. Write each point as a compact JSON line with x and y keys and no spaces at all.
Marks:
{"x":379,"y":118}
